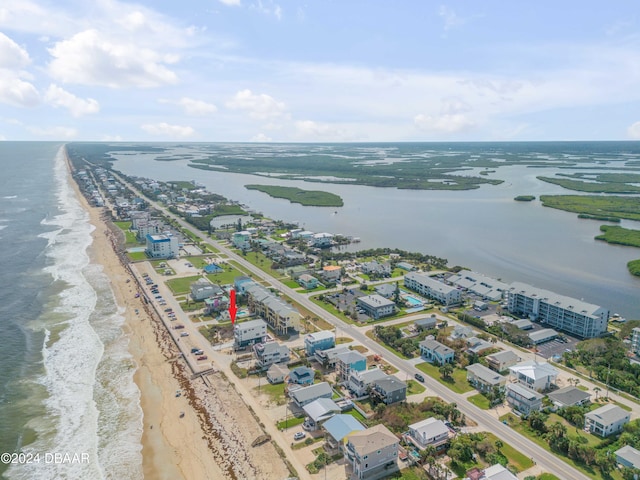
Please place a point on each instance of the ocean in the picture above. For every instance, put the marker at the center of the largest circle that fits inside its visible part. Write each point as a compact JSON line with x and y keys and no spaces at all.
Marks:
{"x":67,"y":397}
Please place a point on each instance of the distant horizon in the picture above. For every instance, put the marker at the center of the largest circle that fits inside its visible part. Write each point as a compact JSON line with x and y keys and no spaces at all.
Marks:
{"x":282,"y":71}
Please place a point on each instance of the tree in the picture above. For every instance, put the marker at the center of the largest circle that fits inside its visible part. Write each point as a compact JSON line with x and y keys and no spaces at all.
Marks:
{"x":597,"y":390}
{"x":446,"y":371}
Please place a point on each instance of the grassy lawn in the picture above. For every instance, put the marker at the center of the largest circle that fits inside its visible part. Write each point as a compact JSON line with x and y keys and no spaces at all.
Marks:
{"x":129,"y":236}
{"x":225,"y":277}
{"x":371,"y":334}
{"x":341,"y":340}
{"x":516,"y":458}
{"x":181,"y":285}
{"x":291,"y":284}
{"x":333,"y":310}
{"x":261,"y":261}
{"x":275,"y":392}
{"x":290,"y":423}
{"x":356,"y":414}
{"x":547,"y":476}
{"x":480,"y":401}
{"x":414,"y":388}
{"x":458,"y":383}
{"x":198,"y":262}
{"x":137,"y":256}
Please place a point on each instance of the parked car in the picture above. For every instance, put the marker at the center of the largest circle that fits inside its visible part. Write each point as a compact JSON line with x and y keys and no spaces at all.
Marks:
{"x":202,"y":357}
{"x":184,"y":334}
{"x":178,"y":327}
{"x":299,"y":436}
{"x":419,"y":377}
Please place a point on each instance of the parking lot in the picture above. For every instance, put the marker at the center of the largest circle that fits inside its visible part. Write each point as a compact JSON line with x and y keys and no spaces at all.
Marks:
{"x":556,"y":347}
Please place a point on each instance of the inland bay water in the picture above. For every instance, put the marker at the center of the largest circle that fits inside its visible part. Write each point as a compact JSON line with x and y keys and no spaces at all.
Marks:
{"x":483,"y":229}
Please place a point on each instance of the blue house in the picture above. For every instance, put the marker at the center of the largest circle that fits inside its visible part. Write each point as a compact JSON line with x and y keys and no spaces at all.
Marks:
{"x":350,"y":361}
{"x":322,"y":340}
{"x":436,"y":352}
{"x":213,"y":268}
{"x":302,"y":375}
{"x":307,"y":281}
{"x":240,"y":284}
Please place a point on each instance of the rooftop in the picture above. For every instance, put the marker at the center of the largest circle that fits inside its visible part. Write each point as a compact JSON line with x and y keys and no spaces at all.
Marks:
{"x":372,"y":439}
{"x":569,"y":396}
{"x":341,"y":425}
{"x":535,"y":370}
{"x":608,"y":414}
{"x":552,"y":298}
{"x":486,"y":374}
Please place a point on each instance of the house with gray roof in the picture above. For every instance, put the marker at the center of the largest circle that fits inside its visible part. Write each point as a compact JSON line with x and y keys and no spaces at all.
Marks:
{"x":484,"y":379}
{"x":277,"y":373}
{"x":389,"y":389}
{"x":426,"y":323}
{"x":319,"y":411}
{"x":628,"y":456}
{"x":329,"y":357}
{"x":385,"y":290}
{"x":501,"y":361}
{"x":542,"y":336}
{"x":606,"y":420}
{"x":305,"y":395}
{"x":269,"y":353}
{"x":359,"y":381}
{"x":523,"y":399}
{"x":376,"y":306}
{"x":569,"y":397}
{"x":435,"y":352}
{"x":372,"y":453}
{"x":523,"y":324}
{"x":429,"y":431}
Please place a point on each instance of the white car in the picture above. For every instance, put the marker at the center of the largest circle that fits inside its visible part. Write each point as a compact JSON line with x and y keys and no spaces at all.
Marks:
{"x":299,"y":436}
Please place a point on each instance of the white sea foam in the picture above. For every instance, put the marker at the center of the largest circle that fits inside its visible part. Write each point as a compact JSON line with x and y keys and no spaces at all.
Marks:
{"x":93,"y":405}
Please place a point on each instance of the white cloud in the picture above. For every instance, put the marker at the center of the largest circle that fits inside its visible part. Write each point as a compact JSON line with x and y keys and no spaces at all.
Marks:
{"x":165,"y":130}
{"x":11,"y":54}
{"x":446,"y":123}
{"x":15,"y":91}
{"x":192,"y":106}
{"x":90,"y":58}
{"x":231,"y":3}
{"x":310,"y":130}
{"x":268,"y":7}
{"x":451,"y":19}
{"x":58,"y":97}
{"x":111,"y":138}
{"x":55,"y":132}
{"x":634,"y":131}
{"x":259,"y":106}
{"x":261,"y":138}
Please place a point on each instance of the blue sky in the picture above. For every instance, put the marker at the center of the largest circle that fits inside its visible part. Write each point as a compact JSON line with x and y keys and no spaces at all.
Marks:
{"x":319,"y":70}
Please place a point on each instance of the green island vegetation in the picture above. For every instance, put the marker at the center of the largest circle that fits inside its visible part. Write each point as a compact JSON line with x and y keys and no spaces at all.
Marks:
{"x":182,"y":185}
{"x":590,"y":187}
{"x":619,"y":235}
{"x":634,"y":267}
{"x":312,"y":198}
{"x":602,"y":218}
{"x":609,"y":206}
{"x":525,"y":198}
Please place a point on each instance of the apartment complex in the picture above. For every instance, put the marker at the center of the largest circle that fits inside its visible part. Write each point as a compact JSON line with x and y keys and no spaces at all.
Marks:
{"x":277,"y":313}
{"x":431,"y":288}
{"x":571,"y":315}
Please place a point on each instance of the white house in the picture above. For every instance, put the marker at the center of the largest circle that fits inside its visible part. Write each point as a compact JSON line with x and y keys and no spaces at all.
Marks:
{"x":430,"y":431}
{"x":538,"y":376}
{"x":606,"y":420}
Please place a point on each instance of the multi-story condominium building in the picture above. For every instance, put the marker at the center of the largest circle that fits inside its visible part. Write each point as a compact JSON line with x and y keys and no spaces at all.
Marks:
{"x":276,"y":312}
{"x":376,"y":306}
{"x":635,"y":340}
{"x":606,"y":420}
{"x":162,"y":246}
{"x":571,"y":315}
{"x":373,"y":453}
{"x":248,"y":333}
{"x":149,"y":227}
{"x":321,"y":340}
{"x":431,"y":288}
{"x":487,"y":287}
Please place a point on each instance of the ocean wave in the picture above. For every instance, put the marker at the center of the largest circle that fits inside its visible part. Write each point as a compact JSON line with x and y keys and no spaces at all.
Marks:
{"x":93,"y":404}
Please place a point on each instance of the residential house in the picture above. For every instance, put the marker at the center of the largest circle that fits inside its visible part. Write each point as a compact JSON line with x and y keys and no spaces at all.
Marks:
{"x":429,"y":431}
{"x":347,"y":362}
{"x":307,"y":281}
{"x":409,"y":267}
{"x":304,"y":395}
{"x":571,"y":315}
{"x":338,"y":429}
{"x":216,"y":303}
{"x":428,"y":323}
{"x":498,"y":472}
{"x":606,"y":420}
{"x":500,"y":361}
{"x":279,"y":314}
{"x":328,"y":358}
{"x":569,"y":397}
{"x":331,"y":273}
{"x":277,"y":373}
{"x":431,"y":288}
{"x":376,"y":269}
{"x":319,"y":411}
{"x":523,"y":399}
{"x":628,"y":456}
{"x":478,"y":346}
{"x":435,"y":352}
{"x":203,"y":288}
{"x":270,"y":353}
{"x":359,"y":381}
{"x":321,"y":240}
{"x":523,"y":324}
{"x":484,"y":379}
{"x":461,"y":332}
{"x":389,"y":389}
{"x":249,"y":333}
{"x":372,"y":453}
{"x":241,"y":240}
{"x":241,"y":283}
{"x":302,"y":376}
{"x":538,"y":376}
{"x":321,"y":340}
{"x":376,"y":306}
{"x":386,"y":290}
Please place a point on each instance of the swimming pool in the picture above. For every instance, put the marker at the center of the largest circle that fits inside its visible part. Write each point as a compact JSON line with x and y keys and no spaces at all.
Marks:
{"x":413,"y":301}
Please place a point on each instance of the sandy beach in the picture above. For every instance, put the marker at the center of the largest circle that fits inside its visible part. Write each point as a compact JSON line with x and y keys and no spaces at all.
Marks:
{"x":213,"y":438}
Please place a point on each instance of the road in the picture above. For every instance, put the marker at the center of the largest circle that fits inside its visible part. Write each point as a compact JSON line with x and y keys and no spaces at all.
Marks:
{"x":546,"y":460}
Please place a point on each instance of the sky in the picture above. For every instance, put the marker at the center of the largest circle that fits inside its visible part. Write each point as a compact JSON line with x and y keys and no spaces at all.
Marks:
{"x":319,"y":70}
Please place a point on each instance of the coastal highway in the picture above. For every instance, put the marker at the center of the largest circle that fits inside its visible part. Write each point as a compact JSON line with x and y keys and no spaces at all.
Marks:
{"x":546,"y":460}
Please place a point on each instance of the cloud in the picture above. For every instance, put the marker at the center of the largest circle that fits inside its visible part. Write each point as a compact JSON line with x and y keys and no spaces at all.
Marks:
{"x":54,"y":132}
{"x":259,"y":106}
{"x":451,"y":19}
{"x":261,"y":138}
{"x":634,"y":131}
{"x":13,"y":89}
{"x":231,"y":3}
{"x":165,"y":130}
{"x":111,"y":138}
{"x":310,"y":130}
{"x":58,"y":97}
{"x":192,"y":106}
{"x":90,"y":58}
{"x":268,"y":8}
{"x":445,"y":123}
{"x":11,"y":54}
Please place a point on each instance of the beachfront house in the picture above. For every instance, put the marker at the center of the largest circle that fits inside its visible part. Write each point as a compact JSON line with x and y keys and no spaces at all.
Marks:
{"x":347,"y":362}
{"x":606,"y":420}
{"x":269,"y":353}
{"x":321,"y":340}
{"x":435,"y":352}
{"x":429,"y":431}
{"x":338,"y":428}
{"x":372,"y":453}
{"x":538,"y":376}
{"x":277,"y":373}
{"x":249,"y":333}
{"x":305,"y":395}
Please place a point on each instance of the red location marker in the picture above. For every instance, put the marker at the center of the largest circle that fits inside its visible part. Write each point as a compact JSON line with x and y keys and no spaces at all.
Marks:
{"x":232,"y":306}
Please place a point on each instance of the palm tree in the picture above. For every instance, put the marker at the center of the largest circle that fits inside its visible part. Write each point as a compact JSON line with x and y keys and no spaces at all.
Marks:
{"x":597,"y":390}
{"x":446,"y":370}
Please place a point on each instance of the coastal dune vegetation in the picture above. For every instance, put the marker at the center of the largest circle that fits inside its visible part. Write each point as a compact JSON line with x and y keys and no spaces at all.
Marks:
{"x":312,"y":198}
